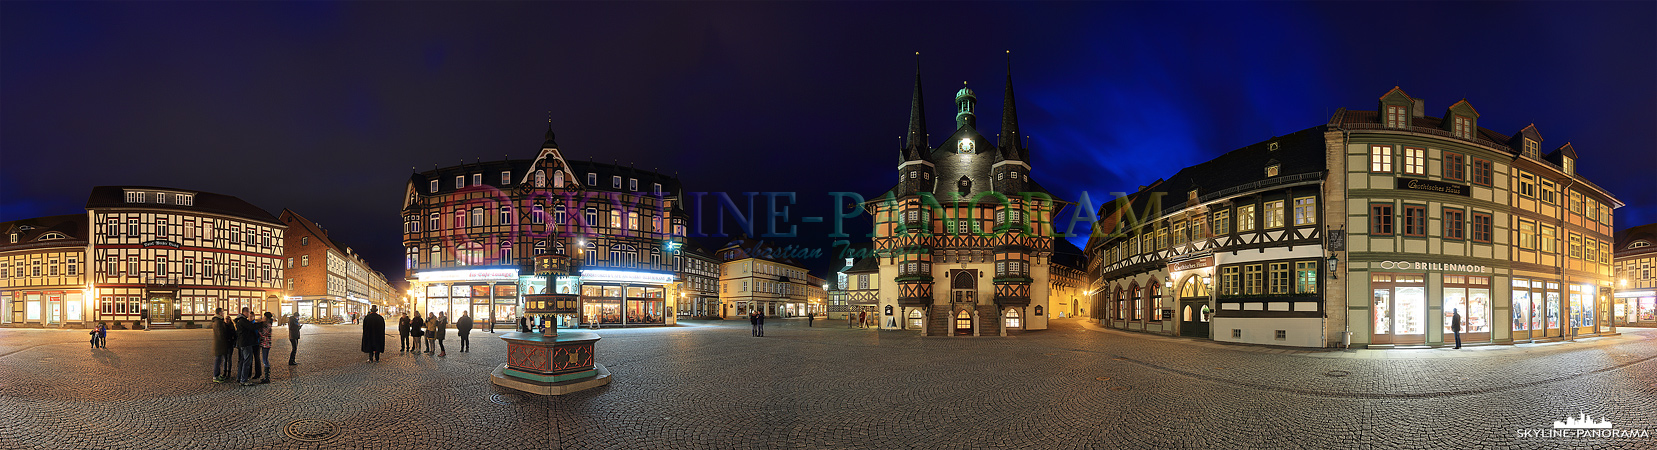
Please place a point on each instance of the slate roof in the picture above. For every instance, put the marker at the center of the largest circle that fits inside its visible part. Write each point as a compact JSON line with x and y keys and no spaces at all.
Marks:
{"x":1647,"y":232}
{"x":29,"y":231}
{"x":1301,"y":152}
{"x":115,"y":197}
{"x":313,"y":229}
{"x":1068,"y":255}
{"x":865,"y":265}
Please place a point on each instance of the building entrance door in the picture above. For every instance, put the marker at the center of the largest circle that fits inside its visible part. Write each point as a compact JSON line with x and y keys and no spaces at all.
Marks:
{"x":1398,"y":310}
{"x":963,"y":323}
{"x":1192,"y":321}
{"x":161,"y":310}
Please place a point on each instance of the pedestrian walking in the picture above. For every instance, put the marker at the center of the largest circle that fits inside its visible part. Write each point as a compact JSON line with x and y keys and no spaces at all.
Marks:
{"x":862,"y":319}
{"x":403,"y":332}
{"x":753,"y":323}
{"x":293,"y":337}
{"x":373,"y":334}
{"x":439,"y":331}
{"x":416,"y":332}
{"x":809,"y":318}
{"x":247,"y":338}
{"x":265,"y":326}
{"x":463,"y":328}
{"x":761,"y":325}
{"x":1455,"y":325}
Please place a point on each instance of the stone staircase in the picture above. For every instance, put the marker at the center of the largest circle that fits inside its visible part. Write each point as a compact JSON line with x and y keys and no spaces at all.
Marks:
{"x":989,"y":322}
{"x":939,"y":323}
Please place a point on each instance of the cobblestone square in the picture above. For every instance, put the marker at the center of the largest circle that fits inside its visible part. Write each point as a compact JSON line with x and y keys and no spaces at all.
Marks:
{"x":711,"y":385}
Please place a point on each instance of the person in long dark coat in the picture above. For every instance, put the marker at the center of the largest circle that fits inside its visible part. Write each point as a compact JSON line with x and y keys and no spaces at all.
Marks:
{"x":402,"y":331}
{"x":222,"y":337}
{"x":373,"y":334}
{"x":415,"y":332}
{"x":463,"y":328}
{"x":438,"y":332}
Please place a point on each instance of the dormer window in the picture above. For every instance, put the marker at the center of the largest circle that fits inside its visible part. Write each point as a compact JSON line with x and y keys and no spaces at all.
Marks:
{"x":1531,"y":149}
{"x":184,"y":200}
{"x":160,"y":198}
{"x":14,"y":238}
{"x":434,"y":186}
{"x":460,"y":181}
{"x":1397,"y":117}
{"x":633,"y":184}
{"x":1191,"y":196}
{"x":1569,"y":166}
{"x":506,"y":177}
{"x":49,"y":236}
{"x":1636,"y":244}
{"x":592,"y":179}
{"x":135,"y":197}
{"x":1271,"y":170}
{"x":477,"y":179}
{"x":1462,"y":127}
{"x":615,"y":182}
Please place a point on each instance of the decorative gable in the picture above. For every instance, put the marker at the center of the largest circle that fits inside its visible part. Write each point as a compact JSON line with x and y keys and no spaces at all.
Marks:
{"x":1395,"y":108}
{"x":1461,"y":120}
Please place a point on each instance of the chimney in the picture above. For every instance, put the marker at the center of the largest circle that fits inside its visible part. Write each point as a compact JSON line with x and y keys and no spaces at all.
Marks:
{"x":1420,"y":108}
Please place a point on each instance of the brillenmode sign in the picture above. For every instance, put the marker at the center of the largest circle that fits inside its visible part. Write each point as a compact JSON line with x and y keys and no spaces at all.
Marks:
{"x":1433,"y":186}
{"x":1441,"y":267}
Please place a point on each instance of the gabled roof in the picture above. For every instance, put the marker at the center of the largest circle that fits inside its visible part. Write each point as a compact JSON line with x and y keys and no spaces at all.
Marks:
{"x":1399,"y":91}
{"x":1563,"y":150}
{"x":866,"y":265}
{"x":1460,"y":103}
{"x":299,"y":223}
{"x":208,"y":202}
{"x":31,"y":231}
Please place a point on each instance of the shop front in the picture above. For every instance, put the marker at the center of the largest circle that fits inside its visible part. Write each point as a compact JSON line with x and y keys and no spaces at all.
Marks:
{"x":620,"y":298}
{"x":43,"y":307}
{"x":488,"y":293}
{"x":1635,"y":308}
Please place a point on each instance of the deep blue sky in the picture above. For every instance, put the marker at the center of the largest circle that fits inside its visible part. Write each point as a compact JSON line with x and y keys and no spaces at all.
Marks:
{"x":325,"y":107}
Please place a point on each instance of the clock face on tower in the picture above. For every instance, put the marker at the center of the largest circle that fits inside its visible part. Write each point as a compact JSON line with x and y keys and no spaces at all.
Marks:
{"x":964,"y":147}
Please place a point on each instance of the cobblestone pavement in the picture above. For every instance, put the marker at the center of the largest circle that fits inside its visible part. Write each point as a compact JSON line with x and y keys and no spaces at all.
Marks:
{"x":710,"y":385}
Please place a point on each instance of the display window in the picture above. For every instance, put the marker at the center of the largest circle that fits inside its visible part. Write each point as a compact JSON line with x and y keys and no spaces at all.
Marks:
{"x":1521,"y":307}
{"x":1646,"y":310}
{"x":1470,"y":295}
{"x":1398,"y":309}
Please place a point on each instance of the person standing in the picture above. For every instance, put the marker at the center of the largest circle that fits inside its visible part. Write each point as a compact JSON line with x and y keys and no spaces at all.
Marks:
{"x":431,"y":331}
{"x":809,"y":318}
{"x":761,"y":324}
{"x":103,"y":335}
{"x":753,"y":324}
{"x":402,"y":332}
{"x":265,"y":328}
{"x":224,"y":343}
{"x":373,"y":334}
{"x":1455,"y":325}
{"x":463,"y":328}
{"x":439,"y":330}
{"x":416,"y":332}
{"x":862,"y":319}
{"x":293,"y":337}
{"x":247,"y":339}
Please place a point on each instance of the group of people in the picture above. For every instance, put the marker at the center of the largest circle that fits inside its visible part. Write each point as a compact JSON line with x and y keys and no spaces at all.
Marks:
{"x":246,"y":340}
{"x":100,"y":335}
{"x":758,"y":320}
{"x":432,"y":330}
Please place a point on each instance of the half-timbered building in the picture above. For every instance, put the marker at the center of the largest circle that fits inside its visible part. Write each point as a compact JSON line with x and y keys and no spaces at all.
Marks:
{"x":1375,"y":229}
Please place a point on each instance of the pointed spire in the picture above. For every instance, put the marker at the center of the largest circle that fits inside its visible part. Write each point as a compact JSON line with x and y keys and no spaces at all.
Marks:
{"x":917,"y":116}
{"x":1009,"y":116}
{"x":552,"y":138}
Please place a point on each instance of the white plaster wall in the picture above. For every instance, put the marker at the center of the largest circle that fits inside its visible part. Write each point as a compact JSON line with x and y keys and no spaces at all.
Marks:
{"x":1302,"y":332}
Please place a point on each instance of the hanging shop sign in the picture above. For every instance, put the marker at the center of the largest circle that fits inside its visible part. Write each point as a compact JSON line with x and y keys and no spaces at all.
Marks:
{"x":162,"y":243}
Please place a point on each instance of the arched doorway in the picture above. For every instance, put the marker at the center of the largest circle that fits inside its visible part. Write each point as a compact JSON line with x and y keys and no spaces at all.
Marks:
{"x":963,"y":323}
{"x":1193,"y":303}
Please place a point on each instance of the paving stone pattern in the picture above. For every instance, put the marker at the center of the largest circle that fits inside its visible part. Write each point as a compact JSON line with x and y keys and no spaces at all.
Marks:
{"x":711,"y":385}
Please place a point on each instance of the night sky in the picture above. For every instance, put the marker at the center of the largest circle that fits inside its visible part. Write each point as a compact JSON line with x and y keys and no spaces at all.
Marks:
{"x":324,"y":108}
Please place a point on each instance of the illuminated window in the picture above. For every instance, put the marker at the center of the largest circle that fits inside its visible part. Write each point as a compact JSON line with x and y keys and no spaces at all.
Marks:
{"x":1306,"y":277}
{"x":1245,"y":218}
{"x":1380,"y":158}
{"x":1397,"y":117}
{"x":1463,"y":127}
{"x":1279,"y":278}
{"x":1274,"y":214}
{"x":1306,"y":211}
{"x":1415,"y":161}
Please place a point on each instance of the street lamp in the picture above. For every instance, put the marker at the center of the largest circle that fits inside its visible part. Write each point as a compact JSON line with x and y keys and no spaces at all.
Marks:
{"x":1333,"y":262}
